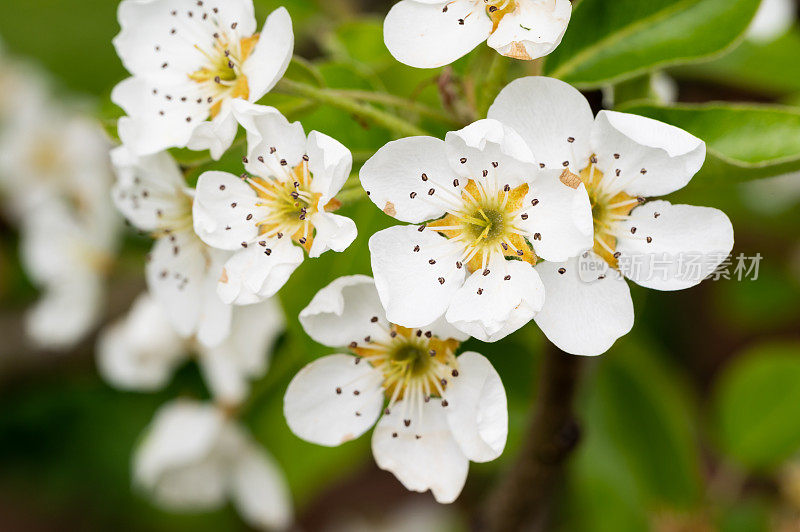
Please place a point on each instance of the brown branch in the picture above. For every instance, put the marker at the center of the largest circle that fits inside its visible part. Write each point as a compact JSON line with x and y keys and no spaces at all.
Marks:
{"x":521,"y":499}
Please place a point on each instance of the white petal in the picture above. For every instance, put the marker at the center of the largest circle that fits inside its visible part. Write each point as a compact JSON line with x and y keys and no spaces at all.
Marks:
{"x":245,"y":353}
{"x":146,"y":130}
{"x":772,"y":20}
{"x":492,"y":306}
{"x":653,"y":158}
{"x":332,"y":232}
{"x":258,"y":272}
{"x":423,"y":455}
{"x":259,"y":490}
{"x":150,"y":190}
{"x":399,"y":177}
{"x":215,"y":135}
{"x":343,"y":312}
{"x":414,"y":292}
{"x":214,"y":321}
{"x":532,"y":30}
{"x":271,"y":139}
{"x":487,"y":147}
{"x":547,"y":113}
{"x":687,"y":245}
{"x":222,"y":205}
{"x":560,"y":224}
{"x":140,"y":351}
{"x":477,"y":409}
{"x":330,"y":164}
{"x":333,"y":400}
{"x":176,"y":273}
{"x":183,"y":432}
{"x":173,"y":31}
{"x":584,"y":314}
{"x":430,"y":35}
{"x":271,"y":57}
{"x":65,"y":314}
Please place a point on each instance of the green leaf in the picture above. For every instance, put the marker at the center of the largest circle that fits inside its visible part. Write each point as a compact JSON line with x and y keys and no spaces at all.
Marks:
{"x":745,"y":141}
{"x":763,"y":67}
{"x":755,"y":406}
{"x":637,"y":411}
{"x":607,"y":42}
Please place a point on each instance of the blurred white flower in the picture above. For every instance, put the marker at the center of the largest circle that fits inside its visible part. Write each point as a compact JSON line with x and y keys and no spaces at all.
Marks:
{"x":188,"y":61}
{"x":67,"y":257}
{"x":285,"y":200}
{"x":182,"y":272}
{"x":621,"y":159}
{"x":488,"y":213}
{"x":55,"y":177}
{"x":773,"y":19}
{"x":442,"y":412}
{"x":194,"y":457}
{"x":434,"y":33}
{"x":141,"y":351}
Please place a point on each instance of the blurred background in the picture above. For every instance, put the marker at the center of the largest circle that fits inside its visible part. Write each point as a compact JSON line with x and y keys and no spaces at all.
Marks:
{"x":691,"y":422}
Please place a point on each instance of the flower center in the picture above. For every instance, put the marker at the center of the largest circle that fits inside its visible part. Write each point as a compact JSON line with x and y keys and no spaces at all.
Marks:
{"x":222,"y":76}
{"x":610,"y":205}
{"x":289,"y":203}
{"x":497,"y":9}
{"x":484,"y":224}
{"x":415,"y":364}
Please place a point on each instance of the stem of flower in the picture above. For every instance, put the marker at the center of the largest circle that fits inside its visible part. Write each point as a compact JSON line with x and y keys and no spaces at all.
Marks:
{"x":492,"y":83}
{"x":520,"y":500}
{"x":401,"y":103}
{"x":367,"y":112}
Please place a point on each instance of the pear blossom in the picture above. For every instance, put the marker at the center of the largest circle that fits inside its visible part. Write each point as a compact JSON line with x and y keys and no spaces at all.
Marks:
{"x":281,"y":207}
{"x":55,"y":177}
{"x":485,"y":213}
{"x":189,"y":59}
{"x":773,"y":19}
{"x":195,"y":457}
{"x":435,"y":411}
{"x":66,"y":256}
{"x":622,"y":160}
{"x":142,"y":350}
{"x":434,"y":33}
{"x":181,"y":272}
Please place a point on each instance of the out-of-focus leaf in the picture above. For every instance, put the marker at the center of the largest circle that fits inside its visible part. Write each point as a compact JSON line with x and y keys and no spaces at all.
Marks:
{"x":610,"y":41}
{"x":765,"y":67}
{"x":744,"y":141}
{"x":755,"y":406}
{"x":746,"y":516}
{"x":639,"y":447}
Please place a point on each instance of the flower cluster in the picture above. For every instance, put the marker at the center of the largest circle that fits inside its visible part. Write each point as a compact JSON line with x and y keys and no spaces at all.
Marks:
{"x":55,"y":177}
{"x":526,"y":215}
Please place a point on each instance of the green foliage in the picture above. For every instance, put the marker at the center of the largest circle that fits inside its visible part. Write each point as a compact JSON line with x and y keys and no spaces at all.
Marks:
{"x":745,"y":141}
{"x":755,"y":417}
{"x":608,"y":42}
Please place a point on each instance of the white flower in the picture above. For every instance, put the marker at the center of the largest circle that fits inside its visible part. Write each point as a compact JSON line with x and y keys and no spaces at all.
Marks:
{"x":773,"y":19}
{"x":622,"y":159}
{"x":189,"y":59}
{"x":67,"y":257}
{"x":434,"y":33}
{"x":194,"y":457}
{"x":182,"y":272}
{"x":443,"y":410}
{"x":48,"y":152}
{"x":141,"y":351}
{"x":285,"y":200}
{"x":495,"y":212}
